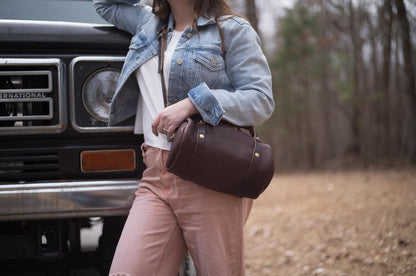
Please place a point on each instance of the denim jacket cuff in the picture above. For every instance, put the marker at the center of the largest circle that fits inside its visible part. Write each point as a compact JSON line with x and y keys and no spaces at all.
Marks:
{"x":206,"y":104}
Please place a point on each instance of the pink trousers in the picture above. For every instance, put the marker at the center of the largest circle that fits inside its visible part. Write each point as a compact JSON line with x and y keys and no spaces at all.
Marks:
{"x":170,"y":217}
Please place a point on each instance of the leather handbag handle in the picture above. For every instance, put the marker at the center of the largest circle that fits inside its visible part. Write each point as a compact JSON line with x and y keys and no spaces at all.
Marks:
{"x":250,"y":129}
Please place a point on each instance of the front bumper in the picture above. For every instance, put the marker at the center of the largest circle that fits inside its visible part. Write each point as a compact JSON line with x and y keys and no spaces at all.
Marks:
{"x":53,"y":200}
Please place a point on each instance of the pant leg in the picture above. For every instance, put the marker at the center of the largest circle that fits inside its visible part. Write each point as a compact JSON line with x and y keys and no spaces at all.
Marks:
{"x":151,"y":242}
{"x":212,"y":225}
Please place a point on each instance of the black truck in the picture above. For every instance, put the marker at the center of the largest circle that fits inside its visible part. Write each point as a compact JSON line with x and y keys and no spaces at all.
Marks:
{"x":62,"y":170}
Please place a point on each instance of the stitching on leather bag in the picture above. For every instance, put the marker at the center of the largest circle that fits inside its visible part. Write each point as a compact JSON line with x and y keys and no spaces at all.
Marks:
{"x":177,"y":156}
{"x":201,"y":129}
{"x":249,"y":170}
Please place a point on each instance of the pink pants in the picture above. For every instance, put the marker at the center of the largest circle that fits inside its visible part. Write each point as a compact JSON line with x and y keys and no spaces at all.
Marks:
{"x":171,"y":216}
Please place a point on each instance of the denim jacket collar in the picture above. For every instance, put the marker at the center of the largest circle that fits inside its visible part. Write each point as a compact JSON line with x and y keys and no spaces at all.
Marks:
{"x":171,"y":22}
{"x":202,"y":21}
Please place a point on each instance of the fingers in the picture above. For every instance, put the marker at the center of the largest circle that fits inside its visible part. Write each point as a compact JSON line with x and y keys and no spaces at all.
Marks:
{"x":165,"y":131}
{"x":155,"y":125}
{"x":168,"y":132}
{"x":161,"y":127}
{"x":172,"y":116}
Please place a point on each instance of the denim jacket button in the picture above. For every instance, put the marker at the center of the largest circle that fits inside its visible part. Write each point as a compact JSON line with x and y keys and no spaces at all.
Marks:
{"x":179,"y":61}
{"x":189,"y":35}
{"x":213,"y":62}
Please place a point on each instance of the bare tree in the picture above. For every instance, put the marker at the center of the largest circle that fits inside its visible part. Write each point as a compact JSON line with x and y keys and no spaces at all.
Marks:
{"x":386,"y":23}
{"x":345,"y":76}
{"x":251,"y":13}
{"x":408,"y":66}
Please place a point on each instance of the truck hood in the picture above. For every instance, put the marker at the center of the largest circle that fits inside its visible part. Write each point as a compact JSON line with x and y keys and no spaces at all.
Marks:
{"x":28,"y":34}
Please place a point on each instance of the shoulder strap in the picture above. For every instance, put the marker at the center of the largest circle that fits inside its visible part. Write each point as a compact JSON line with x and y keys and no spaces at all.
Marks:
{"x":163,"y":33}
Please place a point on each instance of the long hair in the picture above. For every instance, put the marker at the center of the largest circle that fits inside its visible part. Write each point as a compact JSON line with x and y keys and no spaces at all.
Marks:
{"x":205,"y":8}
{"x":202,"y":8}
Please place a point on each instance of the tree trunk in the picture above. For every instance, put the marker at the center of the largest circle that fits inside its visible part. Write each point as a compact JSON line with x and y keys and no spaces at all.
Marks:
{"x":386,"y":25}
{"x":355,"y":147}
{"x":409,"y":71}
{"x":251,"y":13}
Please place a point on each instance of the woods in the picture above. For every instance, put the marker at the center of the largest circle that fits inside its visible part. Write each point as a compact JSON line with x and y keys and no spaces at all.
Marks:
{"x":344,"y":81}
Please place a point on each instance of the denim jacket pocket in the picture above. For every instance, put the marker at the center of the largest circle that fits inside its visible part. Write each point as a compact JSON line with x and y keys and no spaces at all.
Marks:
{"x":208,"y":68}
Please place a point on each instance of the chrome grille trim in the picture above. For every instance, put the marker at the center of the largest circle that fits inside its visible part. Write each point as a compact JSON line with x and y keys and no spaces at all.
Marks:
{"x":29,"y":117}
{"x":28,"y":73}
{"x":60,"y":114}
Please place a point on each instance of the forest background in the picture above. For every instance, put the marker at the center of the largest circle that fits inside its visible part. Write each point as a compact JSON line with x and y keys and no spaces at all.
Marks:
{"x":343,"y":80}
{"x":344,"y":85}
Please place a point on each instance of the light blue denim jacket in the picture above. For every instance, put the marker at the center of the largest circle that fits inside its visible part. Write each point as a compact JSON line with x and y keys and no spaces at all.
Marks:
{"x":234,"y":85}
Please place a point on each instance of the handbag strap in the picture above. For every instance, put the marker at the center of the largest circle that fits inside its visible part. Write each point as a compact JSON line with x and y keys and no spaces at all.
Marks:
{"x":162,"y":37}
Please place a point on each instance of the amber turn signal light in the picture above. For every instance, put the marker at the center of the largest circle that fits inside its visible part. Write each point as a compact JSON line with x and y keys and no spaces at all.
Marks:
{"x":108,"y":160}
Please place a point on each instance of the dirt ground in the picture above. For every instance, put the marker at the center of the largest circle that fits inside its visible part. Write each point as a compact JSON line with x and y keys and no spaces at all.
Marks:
{"x":344,"y":223}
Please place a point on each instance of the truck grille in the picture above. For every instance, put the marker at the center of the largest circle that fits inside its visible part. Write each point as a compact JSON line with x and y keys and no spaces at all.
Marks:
{"x":27,"y":165}
{"x":31,"y":96}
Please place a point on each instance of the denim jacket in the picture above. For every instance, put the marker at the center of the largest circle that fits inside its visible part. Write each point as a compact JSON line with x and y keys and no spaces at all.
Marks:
{"x":234,"y":84}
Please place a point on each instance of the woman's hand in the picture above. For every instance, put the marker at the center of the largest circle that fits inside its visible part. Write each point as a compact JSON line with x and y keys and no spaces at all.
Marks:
{"x":172,"y":116}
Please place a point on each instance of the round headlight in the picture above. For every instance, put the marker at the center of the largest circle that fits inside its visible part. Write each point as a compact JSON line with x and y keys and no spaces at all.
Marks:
{"x":97,"y":92}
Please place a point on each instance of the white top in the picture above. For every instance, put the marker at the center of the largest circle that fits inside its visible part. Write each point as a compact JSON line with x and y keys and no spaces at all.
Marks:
{"x":169,"y":53}
{"x":151,"y":95}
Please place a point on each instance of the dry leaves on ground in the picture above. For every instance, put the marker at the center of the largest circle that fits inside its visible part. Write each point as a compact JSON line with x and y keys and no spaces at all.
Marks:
{"x":344,"y":223}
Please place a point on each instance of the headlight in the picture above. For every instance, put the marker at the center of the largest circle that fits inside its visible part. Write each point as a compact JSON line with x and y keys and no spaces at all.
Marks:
{"x":97,"y":92}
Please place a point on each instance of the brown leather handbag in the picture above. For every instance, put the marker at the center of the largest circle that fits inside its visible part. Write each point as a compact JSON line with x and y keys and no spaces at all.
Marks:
{"x":223,"y":158}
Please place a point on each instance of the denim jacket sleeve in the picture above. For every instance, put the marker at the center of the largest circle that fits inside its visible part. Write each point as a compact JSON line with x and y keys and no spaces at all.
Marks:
{"x":251,"y":101}
{"x":121,"y":12}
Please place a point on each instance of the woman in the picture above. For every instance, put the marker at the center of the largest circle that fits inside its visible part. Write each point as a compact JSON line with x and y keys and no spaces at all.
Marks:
{"x":213,"y":66}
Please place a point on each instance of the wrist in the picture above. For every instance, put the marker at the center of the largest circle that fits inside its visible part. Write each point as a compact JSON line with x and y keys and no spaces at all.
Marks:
{"x":191,"y":107}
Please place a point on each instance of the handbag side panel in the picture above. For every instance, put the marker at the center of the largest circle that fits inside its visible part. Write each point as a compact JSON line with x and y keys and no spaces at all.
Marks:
{"x":221,"y":158}
{"x":183,"y":147}
{"x":260,"y":173}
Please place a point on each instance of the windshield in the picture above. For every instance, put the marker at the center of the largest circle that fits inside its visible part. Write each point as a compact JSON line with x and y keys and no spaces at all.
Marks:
{"x":51,"y":10}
